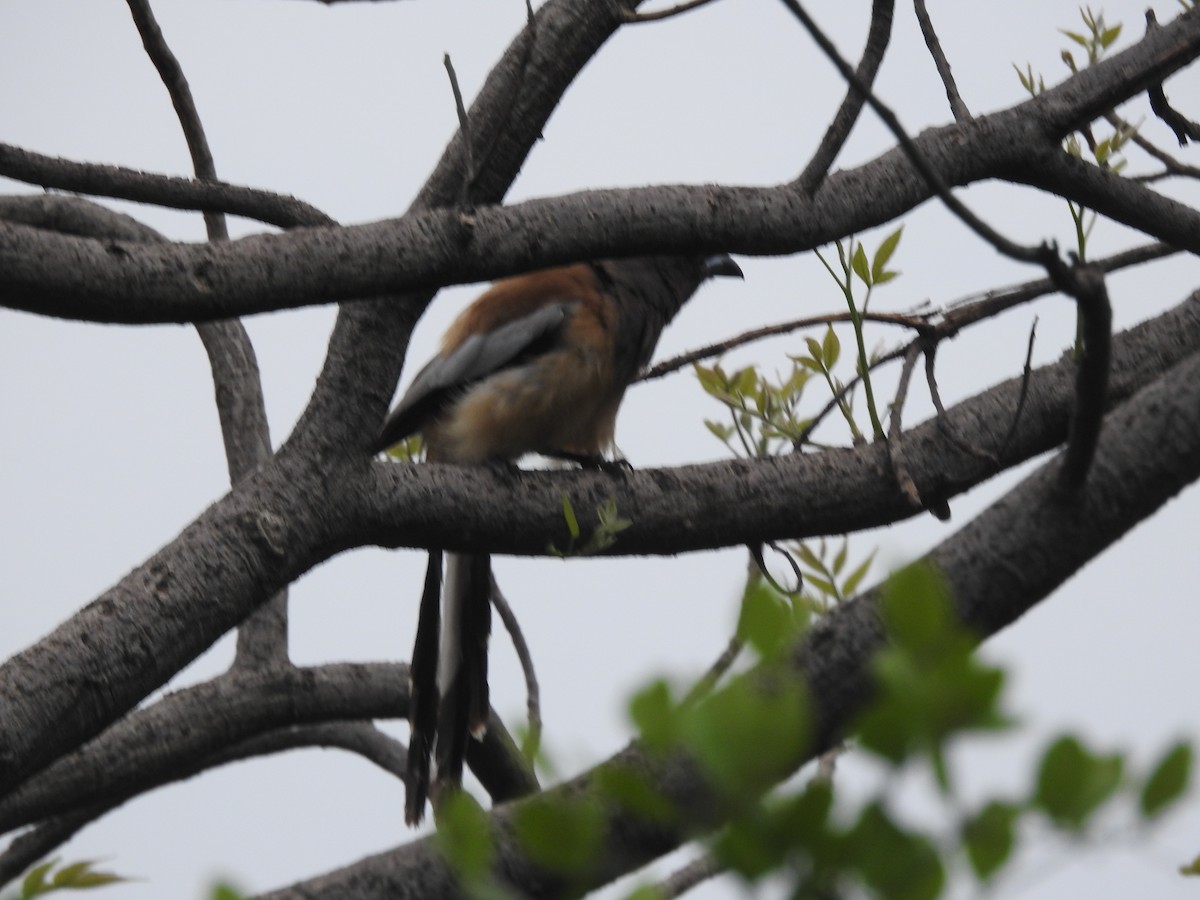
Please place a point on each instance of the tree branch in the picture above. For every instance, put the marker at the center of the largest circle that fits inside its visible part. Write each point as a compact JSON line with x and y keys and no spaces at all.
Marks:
{"x":803,"y":495}
{"x":878,"y":35}
{"x":997,"y":568}
{"x":434,"y":247}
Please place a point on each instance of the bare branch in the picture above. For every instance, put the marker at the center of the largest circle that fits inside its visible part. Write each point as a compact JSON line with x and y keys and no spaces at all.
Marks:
{"x":1185,"y":129}
{"x":361,"y":738}
{"x":675,"y":363}
{"x":159,"y":190}
{"x":895,"y":438}
{"x":262,"y":637}
{"x":1150,"y":453}
{"x":177,"y":87}
{"x":698,"y":871}
{"x":1026,"y":374}
{"x":632,"y":18}
{"x":1011,"y":249}
{"x":1095,"y":318}
{"x":464,"y":127}
{"x":533,"y":693}
{"x":878,"y":35}
{"x":957,"y":107}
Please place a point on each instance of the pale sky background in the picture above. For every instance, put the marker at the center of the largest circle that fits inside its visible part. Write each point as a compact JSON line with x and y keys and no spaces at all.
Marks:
{"x":110,"y":443}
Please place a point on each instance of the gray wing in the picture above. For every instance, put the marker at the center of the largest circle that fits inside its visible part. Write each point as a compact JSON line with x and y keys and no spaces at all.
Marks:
{"x":445,"y":377}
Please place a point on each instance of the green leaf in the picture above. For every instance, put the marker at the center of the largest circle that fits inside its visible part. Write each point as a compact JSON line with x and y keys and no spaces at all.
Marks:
{"x":723,"y":432}
{"x":854,"y":579}
{"x":884,"y":253}
{"x":709,"y":380}
{"x":564,"y":835}
{"x":35,"y":882}
{"x":647,"y":892}
{"x":916,"y":611}
{"x":760,"y":840}
{"x":817,"y":351}
{"x":654,"y":713}
{"x":860,"y":266}
{"x":1109,"y":35}
{"x":749,"y":734}
{"x":896,"y":864}
{"x":745,"y":382}
{"x":464,"y":837}
{"x":989,"y":838}
{"x":1169,"y":780}
{"x":765,"y":619}
{"x":930,"y":684}
{"x":831,"y":347}
{"x":631,"y":790}
{"x":822,"y":585}
{"x":809,"y":558}
{"x":1073,"y":783}
{"x":223,"y":891}
{"x":1077,"y":38}
{"x":839,"y":559}
{"x":569,"y":516}
{"x":1192,"y":868}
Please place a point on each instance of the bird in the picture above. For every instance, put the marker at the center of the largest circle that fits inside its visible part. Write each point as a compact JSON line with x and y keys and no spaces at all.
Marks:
{"x":538,"y":363}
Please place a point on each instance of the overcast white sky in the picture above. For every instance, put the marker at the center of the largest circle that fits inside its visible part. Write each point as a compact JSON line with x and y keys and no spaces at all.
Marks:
{"x":110,"y":441}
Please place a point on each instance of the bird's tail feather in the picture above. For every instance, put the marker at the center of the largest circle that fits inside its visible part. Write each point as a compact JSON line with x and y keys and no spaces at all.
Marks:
{"x":462,"y":667}
{"x":423,"y":692}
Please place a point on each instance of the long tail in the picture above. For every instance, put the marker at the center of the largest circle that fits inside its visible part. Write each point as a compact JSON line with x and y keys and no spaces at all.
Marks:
{"x":423,"y":692}
{"x":458,"y":656}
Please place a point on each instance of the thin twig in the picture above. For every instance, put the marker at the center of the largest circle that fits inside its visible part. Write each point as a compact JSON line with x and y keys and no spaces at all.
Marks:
{"x":464,"y":125}
{"x":1091,"y":377}
{"x":699,"y":870}
{"x":946,"y":426}
{"x":706,"y":682}
{"x":44,"y":838}
{"x":262,"y":637}
{"x":802,"y":438}
{"x":1171,"y":165}
{"x":1185,"y":129}
{"x":177,"y":87}
{"x":895,"y":438}
{"x":957,"y":107}
{"x":361,"y":738}
{"x":757,"y":555}
{"x":533,"y":693}
{"x":1026,"y":376}
{"x":634,"y":18}
{"x":169,"y":191}
{"x":1043,"y":255}
{"x":969,"y":311}
{"x":878,"y":35}
{"x":919,"y":323}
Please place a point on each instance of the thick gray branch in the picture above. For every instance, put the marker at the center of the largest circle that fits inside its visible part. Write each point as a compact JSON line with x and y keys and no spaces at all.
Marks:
{"x":744,"y":501}
{"x":76,"y":278}
{"x":998,"y":567}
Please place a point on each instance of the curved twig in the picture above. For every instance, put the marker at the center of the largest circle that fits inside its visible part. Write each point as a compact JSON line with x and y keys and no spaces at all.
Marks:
{"x":667,"y":366}
{"x":169,"y":191}
{"x":895,"y":439}
{"x":957,"y":107}
{"x":533,"y":692}
{"x":878,"y":35}
{"x":634,"y":18}
{"x":262,"y":637}
{"x":1039,"y":255}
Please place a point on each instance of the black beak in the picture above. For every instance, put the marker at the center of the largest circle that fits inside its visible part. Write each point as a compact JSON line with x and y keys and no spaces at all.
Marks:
{"x":722,"y":264}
